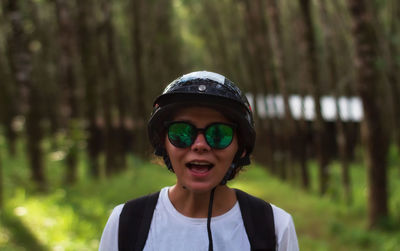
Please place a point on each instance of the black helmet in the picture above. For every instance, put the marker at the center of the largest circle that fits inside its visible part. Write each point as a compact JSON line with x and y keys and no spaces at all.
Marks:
{"x":205,"y":89}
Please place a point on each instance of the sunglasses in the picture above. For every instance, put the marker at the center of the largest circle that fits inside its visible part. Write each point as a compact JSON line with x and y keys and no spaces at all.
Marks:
{"x":183,"y":134}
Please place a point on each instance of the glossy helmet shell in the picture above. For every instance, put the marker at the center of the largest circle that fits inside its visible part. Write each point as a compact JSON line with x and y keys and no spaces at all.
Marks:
{"x":209,"y":89}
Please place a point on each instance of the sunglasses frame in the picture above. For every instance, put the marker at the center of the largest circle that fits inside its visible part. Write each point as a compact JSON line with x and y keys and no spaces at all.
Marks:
{"x":200,"y":130}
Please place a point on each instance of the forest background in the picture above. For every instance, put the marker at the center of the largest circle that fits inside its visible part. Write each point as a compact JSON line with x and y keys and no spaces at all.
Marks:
{"x":77,"y":80}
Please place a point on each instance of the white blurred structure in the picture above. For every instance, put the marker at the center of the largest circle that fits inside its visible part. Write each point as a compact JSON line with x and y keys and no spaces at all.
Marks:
{"x":273,"y":106}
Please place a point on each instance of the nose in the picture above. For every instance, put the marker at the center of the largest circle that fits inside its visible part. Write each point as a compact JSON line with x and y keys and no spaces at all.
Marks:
{"x":200,"y":144}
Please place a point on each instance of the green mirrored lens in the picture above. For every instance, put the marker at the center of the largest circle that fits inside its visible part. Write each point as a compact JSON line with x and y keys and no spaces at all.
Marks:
{"x":181,"y":134}
{"x":219,"y":135}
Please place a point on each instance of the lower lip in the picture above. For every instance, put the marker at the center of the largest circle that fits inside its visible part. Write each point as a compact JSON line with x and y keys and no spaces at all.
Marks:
{"x":199,"y":174}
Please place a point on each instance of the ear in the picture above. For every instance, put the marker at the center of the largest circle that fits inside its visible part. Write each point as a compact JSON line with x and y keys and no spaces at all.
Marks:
{"x":243,"y":154}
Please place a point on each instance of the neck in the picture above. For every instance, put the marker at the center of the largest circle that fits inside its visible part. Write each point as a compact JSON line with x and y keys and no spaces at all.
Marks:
{"x":195,"y":205}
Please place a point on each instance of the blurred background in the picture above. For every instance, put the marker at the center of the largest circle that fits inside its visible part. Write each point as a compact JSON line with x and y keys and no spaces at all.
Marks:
{"x":77,"y":81}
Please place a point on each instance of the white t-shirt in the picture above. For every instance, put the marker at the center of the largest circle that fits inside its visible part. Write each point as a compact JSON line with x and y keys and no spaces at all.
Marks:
{"x":170,"y":230}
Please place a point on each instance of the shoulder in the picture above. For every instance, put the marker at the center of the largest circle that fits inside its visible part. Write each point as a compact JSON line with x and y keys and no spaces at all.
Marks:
{"x":138,"y":205}
{"x":109,"y":238}
{"x":122,"y":209}
{"x":142,"y":198}
{"x":244,"y":197}
{"x":114,"y":216}
{"x":116,"y":212}
{"x":132,"y":213}
{"x":281,"y":217}
{"x":285,"y":231}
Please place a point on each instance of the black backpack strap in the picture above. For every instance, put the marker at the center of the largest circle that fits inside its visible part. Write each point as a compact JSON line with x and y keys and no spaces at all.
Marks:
{"x":258,"y":220}
{"x":134,"y":222}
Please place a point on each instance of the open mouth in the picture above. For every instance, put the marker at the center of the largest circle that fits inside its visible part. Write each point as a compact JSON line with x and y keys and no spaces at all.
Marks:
{"x":199,"y":167}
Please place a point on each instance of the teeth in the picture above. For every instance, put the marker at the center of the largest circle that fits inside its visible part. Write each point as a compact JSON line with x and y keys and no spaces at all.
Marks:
{"x":196,"y":165}
{"x":200,"y":163}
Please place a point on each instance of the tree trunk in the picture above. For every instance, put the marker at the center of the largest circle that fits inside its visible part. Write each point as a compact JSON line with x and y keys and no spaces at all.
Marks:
{"x":1,"y":184}
{"x":261,"y":81}
{"x":267,"y":85}
{"x":374,"y":132}
{"x":119,"y":131}
{"x":312,"y":69}
{"x":21,"y":66}
{"x":394,"y":67}
{"x":111,"y":144}
{"x":4,"y":97}
{"x":35,"y":136}
{"x":256,"y":66}
{"x":68,"y":85}
{"x":140,"y":113}
{"x":8,"y":105}
{"x":86,"y":29}
{"x":218,"y":33}
{"x":333,"y":80}
{"x":290,"y":126}
{"x":42,"y":48}
{"x":300,"y":142}
{"x":345,"y":82}
{"x":301,"y":151}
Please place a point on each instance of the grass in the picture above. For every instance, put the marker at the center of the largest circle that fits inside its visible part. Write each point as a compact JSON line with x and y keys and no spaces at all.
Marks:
{"x":72,"y":218}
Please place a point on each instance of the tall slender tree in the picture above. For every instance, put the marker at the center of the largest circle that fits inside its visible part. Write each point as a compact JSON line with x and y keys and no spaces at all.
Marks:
{"x":140,"y":114}
{"x":8,"y":105}
{"x":87,"y":25}
{"x":333,"y":80}
{"x":298,"y":80}
{"x":393,"y":38}
{"x":20,"y":59}
{"x":314,"y":87}
{"x":68,"y":84}
{"x":260,"y":77}
{"x":290,"y":126}
{"x":1,"y":184}
{"x":346,"y":80}
{"x":2,"y":110}
{"x":374,"y":132}
{"x":218,"y":32}
{"x":120,"y":131}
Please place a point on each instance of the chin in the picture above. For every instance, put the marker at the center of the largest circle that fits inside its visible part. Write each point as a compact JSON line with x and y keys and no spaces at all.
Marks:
{"x":200,"y":187}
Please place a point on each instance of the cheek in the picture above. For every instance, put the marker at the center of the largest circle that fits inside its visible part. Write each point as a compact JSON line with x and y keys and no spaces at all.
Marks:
{"x":166,"y":141}
{"x":173,"y":152}
{"x":234,"y":145}
{"x":168,"y":147}
{"x":229,"y":153}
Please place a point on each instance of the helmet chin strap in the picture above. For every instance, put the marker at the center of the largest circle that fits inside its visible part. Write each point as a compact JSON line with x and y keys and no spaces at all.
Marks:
{"x":210,"y":205}
{"x":167,"y":162}
{"x":229,"y":174}
{"x":232,"y":168}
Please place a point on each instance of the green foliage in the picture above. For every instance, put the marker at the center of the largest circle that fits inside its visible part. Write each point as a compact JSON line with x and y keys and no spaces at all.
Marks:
{"x":66,"y":218}
{"x":324,"y":223}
